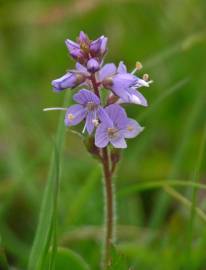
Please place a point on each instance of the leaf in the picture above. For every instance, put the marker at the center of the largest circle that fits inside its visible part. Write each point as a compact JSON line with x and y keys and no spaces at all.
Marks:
{"x":67,"y":259}
{"x":46,"y":227}
{"x":118,"y":261}
{"x":3,"y":260}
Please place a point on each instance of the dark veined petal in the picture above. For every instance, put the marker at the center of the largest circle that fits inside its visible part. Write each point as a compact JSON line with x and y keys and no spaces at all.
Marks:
{"x":133,"y":96}
{"x":101,"y":136}
{"x":118,"y":142}
{"x":84,"y":96}
{"x":104,"y":117}
{"x":74,"y":115}
{"x":132,"y":129}
{"x":107,"y":71}
{"x":89,"y":122}
{"x":118,"y":115}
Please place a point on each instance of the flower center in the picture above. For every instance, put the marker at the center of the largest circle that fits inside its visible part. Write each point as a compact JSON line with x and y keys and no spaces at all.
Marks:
{"x":112,"y":132}
{"x":130,"y":128}
{"x":91,"y":106}
{"x":70,"y":117}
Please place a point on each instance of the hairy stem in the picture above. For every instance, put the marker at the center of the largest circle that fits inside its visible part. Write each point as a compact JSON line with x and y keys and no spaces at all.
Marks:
{"x":109,"y":208}
{"x":95,"y":84}
{"x":109,"y":197}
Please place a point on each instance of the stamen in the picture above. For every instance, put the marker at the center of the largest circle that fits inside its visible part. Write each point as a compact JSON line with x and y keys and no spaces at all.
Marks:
{"x":145,"y":77}
{"x":137,"y":67}
{"x":54,"y":109}
{"x":91,"y":106}
{"x":70,"y":116}
{"x":84,"y":128}
{"x":95,"y":122}
{"x":112,"y":132}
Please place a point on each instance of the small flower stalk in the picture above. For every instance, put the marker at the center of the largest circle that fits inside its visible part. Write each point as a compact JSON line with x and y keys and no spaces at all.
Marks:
{"x":106,"y":125}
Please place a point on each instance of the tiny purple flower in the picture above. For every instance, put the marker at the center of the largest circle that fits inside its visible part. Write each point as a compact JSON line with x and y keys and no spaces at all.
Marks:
{"x":123,"y":84}
{"x":115,"y":127}
{"x":88,"y":107}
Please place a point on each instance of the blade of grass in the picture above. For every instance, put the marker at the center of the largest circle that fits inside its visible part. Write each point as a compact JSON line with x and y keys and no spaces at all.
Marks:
{"x":177,"y":86}
{"x":142,"y":186}
{"x":82,"y":196}
{"x":179,"y":197}
{"x":194,"y":200}
{"x":166,"y":185}
{"x":45,"y":227}
{"x":163,"y":201}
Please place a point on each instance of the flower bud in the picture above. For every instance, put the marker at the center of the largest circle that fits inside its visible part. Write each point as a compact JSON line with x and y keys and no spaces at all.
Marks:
{"x":93,"y":65}
{"x":69,"y":80}
{"x":75,"y":51}
{"x":98,"y":47}
{"x":83,"y":38}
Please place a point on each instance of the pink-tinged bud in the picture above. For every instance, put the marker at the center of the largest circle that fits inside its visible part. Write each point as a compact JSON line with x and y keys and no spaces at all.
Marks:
{"x":93,"y":65}
{"x":98,"y":47}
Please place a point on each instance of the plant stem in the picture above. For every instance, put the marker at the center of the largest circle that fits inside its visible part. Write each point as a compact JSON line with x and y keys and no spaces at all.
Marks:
{"x":95,"y":84}
{"x":109,"y":208}
{"x":109,"y":198}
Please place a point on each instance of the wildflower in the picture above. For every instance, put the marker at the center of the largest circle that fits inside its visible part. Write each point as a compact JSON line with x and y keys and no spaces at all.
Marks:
{"x":115,"y":128}
{"x":123,"y":84}
{"x":88,"y":108}
{"x":111,"y":122}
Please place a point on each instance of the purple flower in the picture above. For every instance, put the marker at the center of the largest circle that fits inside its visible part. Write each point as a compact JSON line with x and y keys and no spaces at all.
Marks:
{"x":122,"y":83}
{"x":88,"y":107}
{"x":115,"y":127}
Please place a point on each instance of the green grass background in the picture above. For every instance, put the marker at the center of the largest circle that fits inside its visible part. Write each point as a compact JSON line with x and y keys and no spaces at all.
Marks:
{"x":159,"y":227}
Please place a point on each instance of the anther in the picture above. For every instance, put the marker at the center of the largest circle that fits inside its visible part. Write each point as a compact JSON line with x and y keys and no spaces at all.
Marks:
{"x":130,"y":128}
{"x":70,"y":116}
{"x":138,"y":66}
{"x":145,"y":77}
{"x":95,"y":122}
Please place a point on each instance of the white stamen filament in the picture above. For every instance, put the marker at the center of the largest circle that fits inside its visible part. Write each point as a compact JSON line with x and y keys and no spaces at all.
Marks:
{"x":84,"y":128}
{"x":54,"y":109}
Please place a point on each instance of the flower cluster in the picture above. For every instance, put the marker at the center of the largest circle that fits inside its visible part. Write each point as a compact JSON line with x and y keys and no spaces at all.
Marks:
{"x":108,"y":119}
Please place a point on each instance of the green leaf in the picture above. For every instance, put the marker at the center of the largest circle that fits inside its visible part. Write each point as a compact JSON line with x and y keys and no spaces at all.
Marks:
{"x":67,"y":259}
{"x":118,"y":261}
{"x":3,"y":260}
{"x":45,"y":235}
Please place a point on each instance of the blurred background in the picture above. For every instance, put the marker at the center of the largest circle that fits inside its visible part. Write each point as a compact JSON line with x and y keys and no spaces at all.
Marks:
{"x":156,"y":227}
